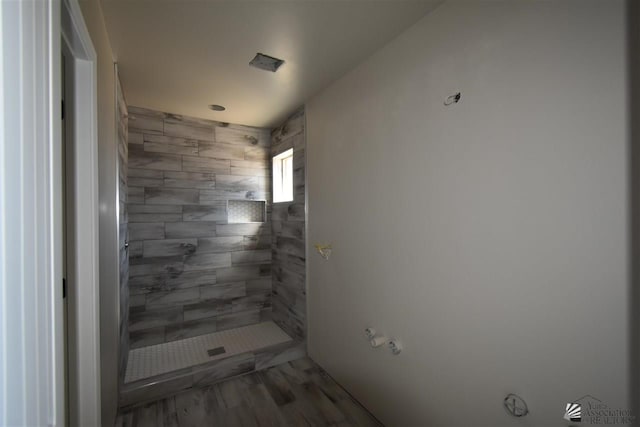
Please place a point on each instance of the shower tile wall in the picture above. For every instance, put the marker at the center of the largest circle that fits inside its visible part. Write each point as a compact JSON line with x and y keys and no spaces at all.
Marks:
{"x":288,"y":239}
{"x":123,"y":220}
{"x":191,"y":272}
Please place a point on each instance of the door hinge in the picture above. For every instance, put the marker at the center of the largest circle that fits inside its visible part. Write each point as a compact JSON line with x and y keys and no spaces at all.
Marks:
{"x":64,"y":288}
{"x":62,"y":110}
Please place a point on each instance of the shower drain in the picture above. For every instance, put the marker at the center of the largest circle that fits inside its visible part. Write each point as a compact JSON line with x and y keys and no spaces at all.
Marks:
{"x":216,"y":351}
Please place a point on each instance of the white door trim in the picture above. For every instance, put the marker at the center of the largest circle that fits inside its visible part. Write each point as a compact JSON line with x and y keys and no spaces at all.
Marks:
{"x":31,"y":322}
{"x":83,"y":267}
{"x":31,"y":356}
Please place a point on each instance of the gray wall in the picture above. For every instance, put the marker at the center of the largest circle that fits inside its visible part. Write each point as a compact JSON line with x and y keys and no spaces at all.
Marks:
{"x":288,"y":239}
{"x":489,"y":236}
{"x":108,"y":198}
{"x":633,"y":51}
{"x":191,"y":271}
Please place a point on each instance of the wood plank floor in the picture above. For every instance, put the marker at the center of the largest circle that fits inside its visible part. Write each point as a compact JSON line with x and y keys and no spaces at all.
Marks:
{"x":294,"y":394}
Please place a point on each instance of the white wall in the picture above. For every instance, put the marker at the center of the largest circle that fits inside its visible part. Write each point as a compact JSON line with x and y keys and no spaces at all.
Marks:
{"x":107,"y":157}
{"x":490,"y":236}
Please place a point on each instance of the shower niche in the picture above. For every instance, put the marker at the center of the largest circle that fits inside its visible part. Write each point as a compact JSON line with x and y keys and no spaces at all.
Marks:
{"x":246,"y":211}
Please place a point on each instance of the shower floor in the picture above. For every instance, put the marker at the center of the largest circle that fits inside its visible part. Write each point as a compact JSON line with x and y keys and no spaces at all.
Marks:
{"x":160,"y":359}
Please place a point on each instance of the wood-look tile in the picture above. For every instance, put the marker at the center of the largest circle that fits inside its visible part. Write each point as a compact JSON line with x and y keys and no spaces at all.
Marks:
{"x":293,"y":126}
{"x":158,"y":161}
{"x":222,"y":291}
{"x":194,"y":407}
{"x":220,"y":244}
{"x":225,"y":368}
{"x":290,"y":394}
{"x":205,"y":164}
{"x":203,"y":309}
{"x":155,"y":217}
{"x":186,"y":156}
{"x":172,"y":298}
{"x":257,"y":154}
{"x":251,"y":164}
{"x":177,"y":280}
{"x":160,"y":265}
{"x":207,"y":261}
{"x":154,"y":391}
{"x":191,"y":328}
{"x":134,"y":138}
{"x":236,"y":320}
{"x":257,"y":242}
{"x":154,"y":318}
{"x":249,"y":229}
{"x":290,"y":245}
{"x":220,"y":151}
{"x":250,"y":172}
{"x":289,"y":285}
{"x":176,"y":230}
{"x":251,"y":257}
{"x":240,"y":183}
{"x":145,"y":124}
{"x":135,"y":194}
{"x":140,"y":208}
{"x":296,"y":212}
{"x":136,"y":300}
{"x":214,"y":196}
{"x":262,"y":284}
{"x":254,"y":300}
{"x":242,"y":136}
{"x":187,"y":131}
{"x":244,"y":272}
{"x":294,"y":229}
{"x":170,"y":145}
{"x":145,"y":173}
{"x":171,"y":196}
{"x":169,"y":247}
{"x":146,"y":337}
{"x":191,"y":121}
{"x":145,"y":182}
{"x":216,"y":211}
{"x":135,"y":249}
{"x":193,"y":180}
{"x":141,"y":111}
{"x":277,"y":355}
{"x":146,"y":231}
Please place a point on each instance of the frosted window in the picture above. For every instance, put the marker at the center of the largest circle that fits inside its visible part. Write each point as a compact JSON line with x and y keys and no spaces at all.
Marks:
{"x":283,"y":177}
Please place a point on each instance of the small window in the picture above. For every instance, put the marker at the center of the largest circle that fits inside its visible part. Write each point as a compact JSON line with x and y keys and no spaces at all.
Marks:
{"x":283,"y":177}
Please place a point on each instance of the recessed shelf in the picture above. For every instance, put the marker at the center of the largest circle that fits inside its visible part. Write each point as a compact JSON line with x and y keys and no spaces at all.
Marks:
{"x":246,"y":211}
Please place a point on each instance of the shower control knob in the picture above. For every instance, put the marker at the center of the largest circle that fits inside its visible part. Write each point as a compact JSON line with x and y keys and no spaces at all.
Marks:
{"x":370,"y":333}
{"x":395,"y":346}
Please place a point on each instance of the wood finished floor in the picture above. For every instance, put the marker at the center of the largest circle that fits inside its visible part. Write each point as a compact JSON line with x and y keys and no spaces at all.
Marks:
{"x":294,"y":394}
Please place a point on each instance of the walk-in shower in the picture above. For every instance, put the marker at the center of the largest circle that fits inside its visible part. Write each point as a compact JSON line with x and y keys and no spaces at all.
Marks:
{"x":212,"y":272}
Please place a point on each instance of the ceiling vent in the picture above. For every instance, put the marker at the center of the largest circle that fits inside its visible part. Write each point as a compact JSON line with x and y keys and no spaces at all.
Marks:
{"x":266,"y":62}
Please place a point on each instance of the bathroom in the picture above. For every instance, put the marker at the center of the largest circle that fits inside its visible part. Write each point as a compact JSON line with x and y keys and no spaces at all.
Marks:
{"x":407,"y":213}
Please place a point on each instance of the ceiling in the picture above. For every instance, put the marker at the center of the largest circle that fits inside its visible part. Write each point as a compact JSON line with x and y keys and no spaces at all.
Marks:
{"x":179,"y":56}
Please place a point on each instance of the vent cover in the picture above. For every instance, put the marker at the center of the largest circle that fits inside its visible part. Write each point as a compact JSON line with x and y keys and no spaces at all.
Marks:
{"x":266,"y":62}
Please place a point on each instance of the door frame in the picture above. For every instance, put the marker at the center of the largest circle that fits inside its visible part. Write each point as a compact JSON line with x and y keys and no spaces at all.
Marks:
{"x":31,"y":322}
{"x":83,"y":265}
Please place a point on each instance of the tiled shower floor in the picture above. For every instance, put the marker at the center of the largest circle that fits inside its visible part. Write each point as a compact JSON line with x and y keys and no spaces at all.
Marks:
{"x":159,"y":359}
